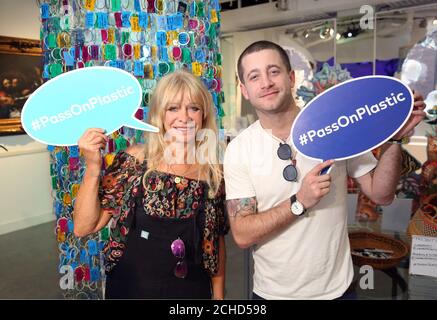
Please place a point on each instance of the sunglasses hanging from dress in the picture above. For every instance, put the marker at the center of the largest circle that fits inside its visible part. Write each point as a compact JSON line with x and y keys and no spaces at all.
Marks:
{"x":178,"y":250}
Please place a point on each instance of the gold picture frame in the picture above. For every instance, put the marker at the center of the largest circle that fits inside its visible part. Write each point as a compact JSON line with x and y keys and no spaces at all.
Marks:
{"x":21,"y":66}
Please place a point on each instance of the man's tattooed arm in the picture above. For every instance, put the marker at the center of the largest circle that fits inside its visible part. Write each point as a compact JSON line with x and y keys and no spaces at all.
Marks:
{"x":243,"y":207}
{"x":250,"y":227}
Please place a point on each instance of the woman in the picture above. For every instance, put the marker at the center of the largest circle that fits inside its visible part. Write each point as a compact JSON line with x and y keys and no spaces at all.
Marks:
{"x":168,"y":227}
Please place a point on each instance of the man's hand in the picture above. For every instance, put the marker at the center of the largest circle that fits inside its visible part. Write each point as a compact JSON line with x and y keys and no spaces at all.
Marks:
{"x":415,"y":118}
{"x":314,"y":186}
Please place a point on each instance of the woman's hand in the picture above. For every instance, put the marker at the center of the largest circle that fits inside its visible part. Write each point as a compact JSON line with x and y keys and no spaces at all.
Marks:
{"x":90,"y":144}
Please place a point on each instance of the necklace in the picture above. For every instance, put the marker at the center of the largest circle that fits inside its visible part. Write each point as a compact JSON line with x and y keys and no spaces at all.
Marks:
{"x":181,"y":175}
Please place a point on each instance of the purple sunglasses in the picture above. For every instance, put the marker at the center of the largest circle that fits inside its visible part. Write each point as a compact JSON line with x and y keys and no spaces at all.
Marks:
{"x":178,"y":250}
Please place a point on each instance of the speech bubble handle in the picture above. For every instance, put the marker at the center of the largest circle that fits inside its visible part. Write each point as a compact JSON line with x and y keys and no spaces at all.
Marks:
{"x":325,"y":170}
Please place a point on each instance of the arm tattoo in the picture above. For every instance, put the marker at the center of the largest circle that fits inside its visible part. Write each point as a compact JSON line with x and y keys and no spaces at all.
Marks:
{"x":241,"y":207}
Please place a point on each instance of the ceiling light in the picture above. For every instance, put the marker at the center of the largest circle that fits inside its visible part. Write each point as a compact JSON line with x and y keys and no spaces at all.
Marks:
{"x":323,"y":34}
{"x":326,"y":32}
{"x":331,"y":32}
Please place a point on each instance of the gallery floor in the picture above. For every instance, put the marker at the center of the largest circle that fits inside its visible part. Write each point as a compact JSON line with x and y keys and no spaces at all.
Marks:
{"x":28,"y":270}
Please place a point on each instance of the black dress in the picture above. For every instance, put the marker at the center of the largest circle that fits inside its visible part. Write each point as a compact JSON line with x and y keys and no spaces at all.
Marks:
{"x":147,"y":268}
{"x":145,"y":221}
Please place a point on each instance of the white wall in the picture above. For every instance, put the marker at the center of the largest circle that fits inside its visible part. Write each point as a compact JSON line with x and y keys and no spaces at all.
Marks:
{"x":229,"y":84}
{"x":24,"y":170}
{"x":19,"y":18}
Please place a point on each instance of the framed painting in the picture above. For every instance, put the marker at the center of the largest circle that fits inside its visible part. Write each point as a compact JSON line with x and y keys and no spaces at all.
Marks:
{"x":20,"y":74}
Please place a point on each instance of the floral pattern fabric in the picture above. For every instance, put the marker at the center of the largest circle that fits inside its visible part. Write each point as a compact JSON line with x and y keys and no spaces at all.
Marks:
{"x":165,"y":195}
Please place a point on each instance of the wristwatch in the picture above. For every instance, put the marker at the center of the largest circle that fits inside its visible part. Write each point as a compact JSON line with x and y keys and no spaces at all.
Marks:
{"x":296,"y":207}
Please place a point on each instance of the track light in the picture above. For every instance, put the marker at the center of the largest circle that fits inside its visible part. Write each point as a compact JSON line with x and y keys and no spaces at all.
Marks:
{"x":351,"y":31}
{"x":331,"y":32}
{"x":326,"y":32}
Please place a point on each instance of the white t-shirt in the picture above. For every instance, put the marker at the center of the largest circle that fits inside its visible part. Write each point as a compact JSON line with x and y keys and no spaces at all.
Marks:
{"x":311,"y":258}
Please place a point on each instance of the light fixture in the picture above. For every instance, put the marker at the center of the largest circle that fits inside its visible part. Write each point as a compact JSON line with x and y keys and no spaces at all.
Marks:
{"x":323,"y":33}
{"x":352,"y":31}
{"x":326,"y":32}
{"x":434,"y":22}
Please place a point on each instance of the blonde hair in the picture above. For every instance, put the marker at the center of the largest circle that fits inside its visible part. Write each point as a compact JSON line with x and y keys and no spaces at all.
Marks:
{"x":167,"y":88}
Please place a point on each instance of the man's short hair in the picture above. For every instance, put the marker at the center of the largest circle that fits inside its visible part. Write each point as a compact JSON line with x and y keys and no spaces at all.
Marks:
{"x":259,"y":46}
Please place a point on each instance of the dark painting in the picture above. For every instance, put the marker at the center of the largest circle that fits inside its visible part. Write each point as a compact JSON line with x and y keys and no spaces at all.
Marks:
{"x":20,"y":75}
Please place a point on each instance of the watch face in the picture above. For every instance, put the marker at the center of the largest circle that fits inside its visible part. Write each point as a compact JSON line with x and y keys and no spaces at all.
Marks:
{"x":297,"y":208}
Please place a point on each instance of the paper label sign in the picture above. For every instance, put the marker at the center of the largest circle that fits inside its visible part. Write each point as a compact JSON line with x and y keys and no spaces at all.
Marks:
{"x":423,"y":258}
{"x":60,"y":111}
{"x":352,"y":118}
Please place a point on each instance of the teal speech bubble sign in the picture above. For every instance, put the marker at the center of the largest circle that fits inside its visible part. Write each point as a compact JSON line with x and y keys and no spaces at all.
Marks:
{"x":60,"y":111}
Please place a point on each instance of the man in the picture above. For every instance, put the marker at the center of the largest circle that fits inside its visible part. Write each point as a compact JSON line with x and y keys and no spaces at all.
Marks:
{"x":298,"y":227}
